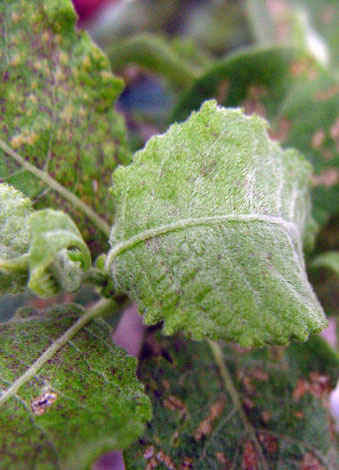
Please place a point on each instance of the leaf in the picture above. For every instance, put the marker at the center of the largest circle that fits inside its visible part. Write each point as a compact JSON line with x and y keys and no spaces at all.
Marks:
{"x":82,"y":401}
{"x":328,"y":260}
{"x":209,"y":228}
{"x":58,"y":255}
{"x":46,"y":245}
{"x":57,"y":99}
{"x":15,"y":211}
{"x":267,"y":411}
{"x":311,"y":22}
{"x":154,"y":53}
{"x":298,"y":96}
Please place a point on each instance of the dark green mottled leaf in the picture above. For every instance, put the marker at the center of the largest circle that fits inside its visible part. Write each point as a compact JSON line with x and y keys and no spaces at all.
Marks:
{"x":57,"y":96}
{"x":266,"y":411}
{"x":211,"y":222}
{"x":298,"y":96}
{"x":81,"y":402}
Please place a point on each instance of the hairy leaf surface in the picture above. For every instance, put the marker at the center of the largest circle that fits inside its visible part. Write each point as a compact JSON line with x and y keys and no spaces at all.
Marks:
{"x":211,"y":218}
{"x":298,"y":96}
{"x":42,"y":249}
{"x":15,"y":211}
{"x":83,"y":401}
{"x":268,"y":412}
{"x":57,"y":97}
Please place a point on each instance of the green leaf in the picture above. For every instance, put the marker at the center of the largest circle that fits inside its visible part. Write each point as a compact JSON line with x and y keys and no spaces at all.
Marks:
{"x":258,"y":410}
{"x":328,"y":260}
{"x":46,"y":245}
{"x":15,"y":211}
{"x":297,"y":95}
{"x":307,"y":23}
{"x":78,"y":401}
{"x":155,"y":53}
{"x":209,"y":228}
{"x":58,"y":255}
{"x":57,"y":99}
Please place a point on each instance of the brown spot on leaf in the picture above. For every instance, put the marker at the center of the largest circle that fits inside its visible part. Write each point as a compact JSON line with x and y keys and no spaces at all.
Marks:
{"x":152,"y":464}
{"x":40,"y":404}
{"x":327,"y":178}
{"x":325,"y":95}
{"x":173,"y":403}
{"x":318,"y":138}
{"x":269,"y":442}
{"x":248,"y":403}
{"x":302,"y":387}
{"x":166,"y":460}
{"x":334,"y":131}
{"x":206,"y":426}
{"x":266,"y":416}
{"x":249,"y":459}
{"x":224,"y":460}
{"x":149,"y":452}
{"x":310,"y":462}
{"x":187,"y":463}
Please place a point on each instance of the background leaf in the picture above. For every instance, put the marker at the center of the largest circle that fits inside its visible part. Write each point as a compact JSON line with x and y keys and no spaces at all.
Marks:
{"x":298,"y":96}
{"x":272,"y":414}
{"x":84,"y":401}
{"x":210,"y":218}
{"x":57,"y":99}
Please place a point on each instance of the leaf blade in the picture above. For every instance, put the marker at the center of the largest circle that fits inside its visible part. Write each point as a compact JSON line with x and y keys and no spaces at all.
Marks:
{"x":204,"y":428}
{"x":198,"y":224}
{"x":62,"y":119}
{"x":98,"y":387}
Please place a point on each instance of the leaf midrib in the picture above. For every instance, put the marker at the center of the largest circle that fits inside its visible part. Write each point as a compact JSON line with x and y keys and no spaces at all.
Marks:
{"x":191,"y":222}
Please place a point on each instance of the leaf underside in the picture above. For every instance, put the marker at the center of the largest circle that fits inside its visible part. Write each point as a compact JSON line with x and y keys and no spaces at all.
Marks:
{"x":57,"y":97}
{"x":298,"y":96}
{"x":219,"y":213}
{"x":86,"y":400}
{"x":282,"y":423}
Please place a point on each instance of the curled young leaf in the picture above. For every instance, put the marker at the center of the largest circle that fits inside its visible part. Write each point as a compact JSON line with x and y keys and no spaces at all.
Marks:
{"x":58,"y":255}
{"x":44,"y":248}
{"x":210,"y":226}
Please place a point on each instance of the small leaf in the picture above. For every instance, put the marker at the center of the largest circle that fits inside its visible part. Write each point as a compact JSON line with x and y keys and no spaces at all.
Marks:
{"x":83,"y":401}
{"x":15,"y":211}
{"x":265,"y":411}
{"x":209,"y":228}
{"x":46,"y":245}
{"x":58,"y":255}
{"x":57,"y":97}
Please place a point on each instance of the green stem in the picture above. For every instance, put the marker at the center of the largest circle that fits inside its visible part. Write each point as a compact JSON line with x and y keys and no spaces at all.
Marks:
{"x":230,"y":388}
{"x":68,"y":195}
{"x":102,"y":307}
